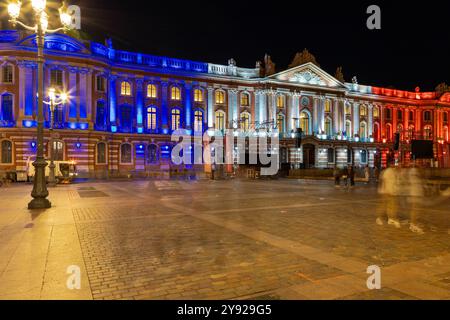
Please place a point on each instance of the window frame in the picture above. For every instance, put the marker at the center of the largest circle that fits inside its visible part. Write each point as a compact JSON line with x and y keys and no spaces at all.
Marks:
{"x":152,"y":91}
{"x":12,"y":152}
{"x":177,"y":114}
{"x":198,"y":95}
{"x":223,"y":98}
{"x":175,"y":93}
{"x":131,"y":154}
{"x":124,"y":89}
{"x":153,"y":113}
{"x":54,"y":82}
{"x":8,"y":65}
{"x":102,"y":80}
{"x":97,"y":153}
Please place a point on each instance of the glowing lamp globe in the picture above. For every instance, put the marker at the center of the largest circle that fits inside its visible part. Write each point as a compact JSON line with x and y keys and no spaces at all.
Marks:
{"x":14,"y":10}
{"x":38,"y":5}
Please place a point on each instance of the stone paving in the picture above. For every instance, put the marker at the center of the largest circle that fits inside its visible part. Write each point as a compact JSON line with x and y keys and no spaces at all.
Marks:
{"x":238,"y":239}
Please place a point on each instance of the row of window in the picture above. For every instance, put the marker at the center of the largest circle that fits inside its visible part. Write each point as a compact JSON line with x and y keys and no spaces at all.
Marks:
{"x":331,"y":156}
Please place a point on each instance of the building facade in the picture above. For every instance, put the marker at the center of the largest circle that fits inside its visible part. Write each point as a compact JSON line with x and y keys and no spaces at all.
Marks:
{"x":123,"y":107}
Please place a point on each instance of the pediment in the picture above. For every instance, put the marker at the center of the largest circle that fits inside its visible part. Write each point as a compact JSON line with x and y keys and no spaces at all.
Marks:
{"x":308,"y":74}
{"x":57,"y":42}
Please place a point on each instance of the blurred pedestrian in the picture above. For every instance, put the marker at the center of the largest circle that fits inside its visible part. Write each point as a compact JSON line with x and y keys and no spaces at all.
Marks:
{"x":337,"y":176}
{"x":388,"y":205}
{"x":351,"y":175}
{"x":367,"y":174}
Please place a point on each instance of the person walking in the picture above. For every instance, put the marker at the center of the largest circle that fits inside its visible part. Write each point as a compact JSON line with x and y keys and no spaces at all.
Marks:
{"x":351,"y":175}
{"x":337,"y":176}
{"x":367,"y":174}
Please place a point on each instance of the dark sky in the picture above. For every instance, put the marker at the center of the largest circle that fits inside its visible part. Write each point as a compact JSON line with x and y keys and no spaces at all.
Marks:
{"x":412,"y":48}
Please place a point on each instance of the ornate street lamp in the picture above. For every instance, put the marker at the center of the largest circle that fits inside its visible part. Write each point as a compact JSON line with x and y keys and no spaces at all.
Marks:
{"x":40,"y":192}
{"x":54,"y":101}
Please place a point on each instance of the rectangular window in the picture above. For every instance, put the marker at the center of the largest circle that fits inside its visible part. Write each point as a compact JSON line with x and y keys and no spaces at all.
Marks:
{"x":101,"y":153}
{"x":56,"y":78}
{"x":101,"y":84}
{"x":330,"y":155}
{"x":7,"y":74}
{"x":125,"y":153}
{"x":6,"y":151}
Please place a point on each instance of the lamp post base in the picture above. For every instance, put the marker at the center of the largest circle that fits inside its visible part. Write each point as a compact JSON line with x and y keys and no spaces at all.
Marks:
{"x":39,"y":203}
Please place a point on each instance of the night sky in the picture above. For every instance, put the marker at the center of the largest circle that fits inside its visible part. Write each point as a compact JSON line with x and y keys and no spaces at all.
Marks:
{"x":412,"y":48}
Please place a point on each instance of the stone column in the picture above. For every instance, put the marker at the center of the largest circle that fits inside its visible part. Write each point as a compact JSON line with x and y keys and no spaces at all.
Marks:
{"x":188,"y":105}
{"x":296,"y":110}
{"x":164,"y":107}
{"x":315,"y":115}
{"x":210,"y":103}
{"x":355,"y":118}
{"x":112,"y":89}
{"x":289,"y":115}
{"x":335,"y":110}
{"x":83,"y":95}
{"x":140,"y":105}
{"x":370,"y":121}
{"x":73,"y":88}
{"x":233,"y":108}
{"x":263,"y":107}
{"x":321,"y":114}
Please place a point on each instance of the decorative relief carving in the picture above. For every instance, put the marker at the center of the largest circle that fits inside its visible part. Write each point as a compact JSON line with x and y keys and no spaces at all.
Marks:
{"x":308,"y":76}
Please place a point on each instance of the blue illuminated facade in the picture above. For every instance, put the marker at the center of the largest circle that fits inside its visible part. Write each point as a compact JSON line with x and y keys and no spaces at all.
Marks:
{"x":123,"y":106}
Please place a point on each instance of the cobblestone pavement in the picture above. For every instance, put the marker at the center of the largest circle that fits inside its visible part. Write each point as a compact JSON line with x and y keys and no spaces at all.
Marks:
{"x":274,"y":239}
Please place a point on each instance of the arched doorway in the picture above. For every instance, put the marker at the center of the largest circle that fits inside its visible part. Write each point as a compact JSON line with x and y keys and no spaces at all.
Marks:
{"x":309,"y":157}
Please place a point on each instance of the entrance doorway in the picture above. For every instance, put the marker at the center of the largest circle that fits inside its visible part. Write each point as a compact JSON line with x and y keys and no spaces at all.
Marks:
{"x":309,"y":157}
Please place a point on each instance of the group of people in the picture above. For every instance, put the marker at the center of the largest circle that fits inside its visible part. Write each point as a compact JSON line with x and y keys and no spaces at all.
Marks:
{"x":347,"y":174}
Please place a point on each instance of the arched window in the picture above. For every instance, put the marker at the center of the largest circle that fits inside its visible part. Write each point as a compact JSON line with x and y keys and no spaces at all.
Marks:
{"x":176,"y":119}
{"x":100,"y":115}
{"x":427,"y":132}
{"x":388,"y":114}
{"x":327,"y":106}
{"x":198,"y":95}
{"x":376,"y":132}
{"x":280,"y":122}
{"x":220,"y":97}
{"x":6,"y":113}
{"x":304,"y":122}
{"x":198,"y":121}
{"x":362,"y":111}
{"x":389,"y":132}
{"x":245,"y":121}
{"x":400,"y":130}
{"x":245,"y":99}
{"x":125,"y":153}
{"x":280,"y":101}
{"x":363,"y":154}
{"x":7,"y":74}
{"x":101,"y":153}
{"x":328,"y":127}
{"x":175,"y":94}
{"x":363,"y":130}
{"x":125,"y":88}
{"x":151,"y":118}
{"x":376,"y":112}
{"x":152,"y":154}
{"x":410,"y":133}
{"x":151,"y":91}
{"x":7,"y":152}
{"x":58,"y":150}
{"x":348,"y":110}
{"x":348,"y":128}
{"x":126,"y":119}
{"x":220,"y":120}
{"x":427,"y":116}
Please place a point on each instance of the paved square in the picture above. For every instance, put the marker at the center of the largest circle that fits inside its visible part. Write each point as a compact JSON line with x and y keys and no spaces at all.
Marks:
{"x":237,"y":239}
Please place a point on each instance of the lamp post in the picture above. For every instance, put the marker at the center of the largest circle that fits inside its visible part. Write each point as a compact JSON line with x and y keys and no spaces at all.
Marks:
{"x":40,"y":192}
{"x":54,"y":101}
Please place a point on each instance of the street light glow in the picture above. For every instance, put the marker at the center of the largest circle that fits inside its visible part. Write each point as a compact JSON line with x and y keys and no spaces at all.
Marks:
{"x":44,"y":22}
{"x":66,"y":19}
{"x":14,"y":9}
{"x":38,"y":5}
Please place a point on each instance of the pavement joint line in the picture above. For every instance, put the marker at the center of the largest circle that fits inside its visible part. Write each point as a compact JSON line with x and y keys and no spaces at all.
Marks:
{"x":46,"y":261}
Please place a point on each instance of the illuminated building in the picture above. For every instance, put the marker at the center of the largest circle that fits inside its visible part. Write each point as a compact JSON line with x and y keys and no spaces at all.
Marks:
{"x":123,"y":107}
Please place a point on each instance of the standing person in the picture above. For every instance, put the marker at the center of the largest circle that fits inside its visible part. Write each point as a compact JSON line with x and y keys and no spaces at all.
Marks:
{"x":351,"y":175}
{"x":367,"y":173}
{"x":345,"y":176}
{"x":337,"y":177}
